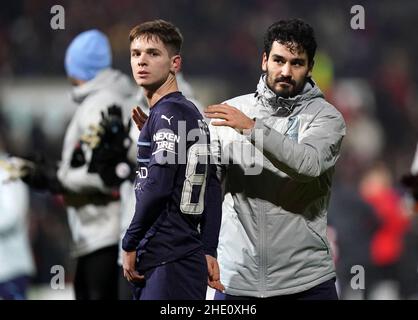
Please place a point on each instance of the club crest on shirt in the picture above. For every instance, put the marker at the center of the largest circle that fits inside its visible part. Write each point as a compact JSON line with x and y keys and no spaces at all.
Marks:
{"x":293,"y":128}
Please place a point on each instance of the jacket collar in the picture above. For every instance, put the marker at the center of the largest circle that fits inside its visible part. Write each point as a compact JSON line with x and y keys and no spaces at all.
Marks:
{"x":285,"y":106}
{"x":109,"y":79}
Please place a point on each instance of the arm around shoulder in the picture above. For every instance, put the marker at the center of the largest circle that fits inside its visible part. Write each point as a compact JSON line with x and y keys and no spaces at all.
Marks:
{"x":315,"y":151}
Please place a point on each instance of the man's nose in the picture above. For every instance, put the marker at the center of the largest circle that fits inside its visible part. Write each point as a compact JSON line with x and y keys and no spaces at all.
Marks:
{"x":286,"y":70}
{"x":142,"y":60}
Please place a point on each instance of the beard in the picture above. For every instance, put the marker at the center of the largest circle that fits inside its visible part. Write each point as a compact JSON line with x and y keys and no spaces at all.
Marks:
{"x":288,"y":89}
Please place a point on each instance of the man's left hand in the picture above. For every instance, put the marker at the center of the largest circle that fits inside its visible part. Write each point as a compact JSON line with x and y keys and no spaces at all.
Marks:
{"x":232,"y":117}
{"x":139,"y":117}
{"x":16,"y":168}
{"x":129,"y":272}
{"x":214,"y":280}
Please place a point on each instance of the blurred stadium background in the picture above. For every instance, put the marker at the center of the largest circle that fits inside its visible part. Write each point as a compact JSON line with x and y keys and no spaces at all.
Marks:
{"x":370,"y":75}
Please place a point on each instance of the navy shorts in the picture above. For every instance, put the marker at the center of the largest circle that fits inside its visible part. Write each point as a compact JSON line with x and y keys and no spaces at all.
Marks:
{"x":14,"y":289}
{"x":183,"y":279}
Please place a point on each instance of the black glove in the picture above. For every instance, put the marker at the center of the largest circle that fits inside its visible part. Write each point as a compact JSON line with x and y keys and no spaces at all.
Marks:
{"x":78,"y":159}
{"x":41,"y":174}
{"x":109,"y":158}
{"x":411,"y":182}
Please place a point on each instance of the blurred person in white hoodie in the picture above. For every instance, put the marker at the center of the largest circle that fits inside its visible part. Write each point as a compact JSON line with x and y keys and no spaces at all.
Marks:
{"x":16,"y":261}
{"x":93,"y":164}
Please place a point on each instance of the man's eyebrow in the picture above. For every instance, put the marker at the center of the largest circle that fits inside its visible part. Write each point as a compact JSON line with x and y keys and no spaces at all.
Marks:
{"x":277,"y":56}
{"x":300,"y":60}
{"x":153,"y":50}
{"x":146,"y":50}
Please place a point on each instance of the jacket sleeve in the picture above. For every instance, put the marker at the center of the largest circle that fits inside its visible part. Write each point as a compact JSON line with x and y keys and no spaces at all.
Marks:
{"x":316,"y":151}
{"x":414,"y":167}
{"x":216,"y":153}
{"x":212,"y":215}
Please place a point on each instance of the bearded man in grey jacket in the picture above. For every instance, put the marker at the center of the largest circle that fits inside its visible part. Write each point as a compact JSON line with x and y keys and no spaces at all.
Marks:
{"x":276,"y":151}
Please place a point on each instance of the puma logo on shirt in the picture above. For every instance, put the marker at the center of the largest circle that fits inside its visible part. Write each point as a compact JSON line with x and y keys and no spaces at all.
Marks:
{"x":165,"y":118}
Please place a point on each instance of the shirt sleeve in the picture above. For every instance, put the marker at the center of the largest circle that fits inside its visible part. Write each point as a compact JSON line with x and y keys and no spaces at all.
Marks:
{"x":212,"y":214}
{"x":153,"y":192}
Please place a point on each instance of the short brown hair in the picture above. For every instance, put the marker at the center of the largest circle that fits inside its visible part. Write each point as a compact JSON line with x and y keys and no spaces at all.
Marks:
{"x":159,"y":29}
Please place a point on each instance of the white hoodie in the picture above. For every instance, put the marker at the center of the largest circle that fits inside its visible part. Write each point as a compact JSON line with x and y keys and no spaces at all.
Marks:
{"x":15,"y":251}
{"x":93,"y":218}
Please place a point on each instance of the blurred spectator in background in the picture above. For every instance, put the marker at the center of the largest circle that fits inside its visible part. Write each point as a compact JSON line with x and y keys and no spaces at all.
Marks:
{"x":352,"y":220}
{"x":353,"y":224}
{"x":371,"y":225}
{"x":93,"y":163}
{"x":387,"y":244}
{"x":16,"y":261}
{"x":93,"y":209}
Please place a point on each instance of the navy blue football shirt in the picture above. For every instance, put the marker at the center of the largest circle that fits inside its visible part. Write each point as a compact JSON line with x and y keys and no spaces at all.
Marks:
{"x":178,"y":196}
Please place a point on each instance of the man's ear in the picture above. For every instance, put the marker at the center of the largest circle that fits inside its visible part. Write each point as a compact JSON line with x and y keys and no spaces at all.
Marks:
{"x":264,"y":62}
{"x":311,"y":68}
{"x":175,"y":63}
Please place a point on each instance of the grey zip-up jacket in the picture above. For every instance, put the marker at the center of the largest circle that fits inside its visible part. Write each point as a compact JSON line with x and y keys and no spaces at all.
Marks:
{"x":93,"y":216}
{"x":277,"y":181}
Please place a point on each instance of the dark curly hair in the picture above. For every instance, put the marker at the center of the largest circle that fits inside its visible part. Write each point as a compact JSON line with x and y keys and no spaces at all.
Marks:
{"x":295,"y":34}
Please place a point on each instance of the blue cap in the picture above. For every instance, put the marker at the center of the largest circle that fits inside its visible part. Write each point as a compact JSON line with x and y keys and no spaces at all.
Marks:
{"x":88,"y":54}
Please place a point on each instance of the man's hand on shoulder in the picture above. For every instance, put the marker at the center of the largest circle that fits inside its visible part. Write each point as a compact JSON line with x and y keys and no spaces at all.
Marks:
{"x":231,"y":116}
{"x":139,"y":117}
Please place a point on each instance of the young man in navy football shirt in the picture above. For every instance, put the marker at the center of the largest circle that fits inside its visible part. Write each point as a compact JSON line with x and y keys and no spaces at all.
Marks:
{"x":170,"y":245}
